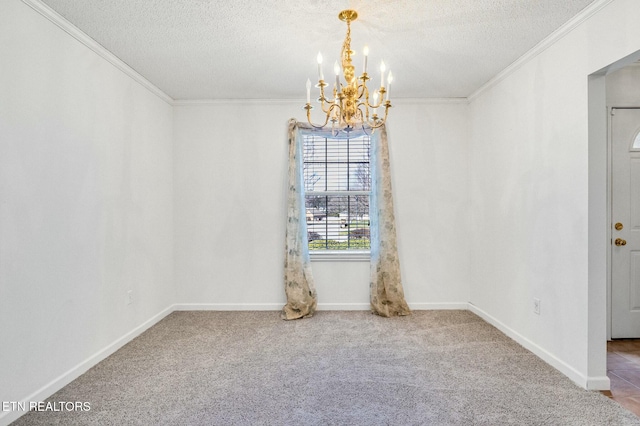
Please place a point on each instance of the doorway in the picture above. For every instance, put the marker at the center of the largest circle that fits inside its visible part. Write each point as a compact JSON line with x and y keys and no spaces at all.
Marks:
{"x":625,"y":216}
{"x":603,"y":92}
{"x":617,"y":85}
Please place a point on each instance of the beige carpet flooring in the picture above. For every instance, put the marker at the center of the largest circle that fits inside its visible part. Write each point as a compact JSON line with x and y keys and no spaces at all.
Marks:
{"x":337,"y":368}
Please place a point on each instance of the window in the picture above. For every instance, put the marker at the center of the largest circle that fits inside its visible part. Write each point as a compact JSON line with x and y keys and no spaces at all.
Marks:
{"x":337,"y":179}
{"x":636,"y":143}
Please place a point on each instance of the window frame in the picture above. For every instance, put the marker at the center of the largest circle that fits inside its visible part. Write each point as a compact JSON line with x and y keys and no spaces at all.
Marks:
{"x":349,"y":255}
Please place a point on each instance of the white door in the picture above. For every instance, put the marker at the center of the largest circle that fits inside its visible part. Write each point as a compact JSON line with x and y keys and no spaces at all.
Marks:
{"x":625,"y":226}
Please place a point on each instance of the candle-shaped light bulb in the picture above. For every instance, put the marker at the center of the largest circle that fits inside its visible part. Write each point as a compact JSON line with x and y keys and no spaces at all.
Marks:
{"x":389,"y":80}
{"x":365,"y":53}
{"x":382,"y":69}
{"x":308,"y":91}
{"x":319,"y":58}
{"x":336,"y":69}
{"x":375,"y":101}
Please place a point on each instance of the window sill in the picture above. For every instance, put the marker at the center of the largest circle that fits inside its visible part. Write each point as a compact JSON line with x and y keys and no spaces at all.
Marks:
{"x":340,"y":255}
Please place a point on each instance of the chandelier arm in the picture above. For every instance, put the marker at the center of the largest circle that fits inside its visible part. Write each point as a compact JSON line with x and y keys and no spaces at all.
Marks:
{"x":309,"y":107}
{"x":363,"y":118}
{"x":338,"y":116}
{"x":357,"y":115}
{"x":314,"y":125}
{"x":387,"y":105}
{"x":362,"y":90}
{"x":382,"y":91}
{"x":376,"y":124}
{"x":323,"y":98}
{"x":380,"y":123}
{"x":322,"y":105}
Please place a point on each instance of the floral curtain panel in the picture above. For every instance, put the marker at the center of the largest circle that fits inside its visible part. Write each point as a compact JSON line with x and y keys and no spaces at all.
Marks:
{"x":387,"y":294}
{"x":298,"y":280}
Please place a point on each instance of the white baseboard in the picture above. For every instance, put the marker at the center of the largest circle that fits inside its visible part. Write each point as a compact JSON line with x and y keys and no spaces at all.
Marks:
{"x":64,"y":379}
{"x":591,"y":383}
{"x":228,"y":306}
{"x":598,"y":383}
{"x":439,"y":306}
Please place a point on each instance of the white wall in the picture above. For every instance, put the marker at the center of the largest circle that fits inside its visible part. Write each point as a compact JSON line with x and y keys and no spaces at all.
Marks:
{"x":531,"y":167}
{"x":429,"y":149}
{"x":623,"y":87}
{"x":230,"y":163}
{"x":228,"y":203}
{"x":85,"y":204}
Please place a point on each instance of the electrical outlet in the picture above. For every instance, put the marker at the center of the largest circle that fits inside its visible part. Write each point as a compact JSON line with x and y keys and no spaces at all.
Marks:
{"x":536,"y":306}
{"x":129,"y":297}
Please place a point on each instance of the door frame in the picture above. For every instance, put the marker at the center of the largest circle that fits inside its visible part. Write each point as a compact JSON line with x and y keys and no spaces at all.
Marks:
{"x":609,"y":219}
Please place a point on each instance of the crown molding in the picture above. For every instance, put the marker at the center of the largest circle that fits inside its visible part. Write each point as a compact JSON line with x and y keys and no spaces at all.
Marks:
{"x":192,"y":102}
{"x":96,"y":47}
{"x":396,"y":101}
{"x":549,"y":41}
{"x":430,"y":101}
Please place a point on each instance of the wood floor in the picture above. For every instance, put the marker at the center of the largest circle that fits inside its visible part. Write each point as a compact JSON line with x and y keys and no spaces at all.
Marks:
{"x":623,"y":369}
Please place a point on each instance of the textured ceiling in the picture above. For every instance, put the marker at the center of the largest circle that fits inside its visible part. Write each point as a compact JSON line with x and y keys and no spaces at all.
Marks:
{"x":214,"y":49}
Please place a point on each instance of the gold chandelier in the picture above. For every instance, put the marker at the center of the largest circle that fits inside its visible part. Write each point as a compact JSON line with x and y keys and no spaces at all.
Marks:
{"x":350,"y":104}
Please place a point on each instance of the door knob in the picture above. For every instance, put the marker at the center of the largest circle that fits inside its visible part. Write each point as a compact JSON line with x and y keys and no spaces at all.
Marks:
{"x":620,"y":242}
{"x":618,"y":226}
